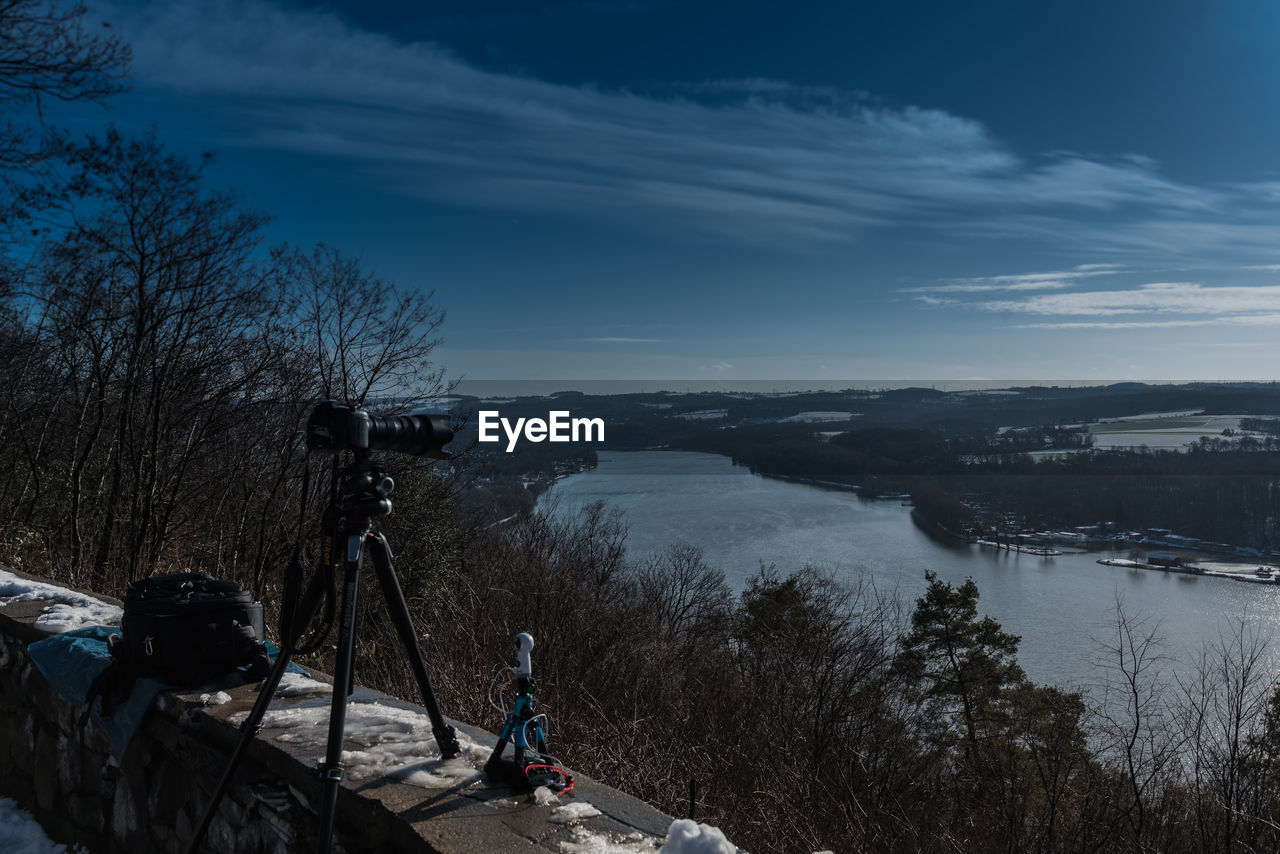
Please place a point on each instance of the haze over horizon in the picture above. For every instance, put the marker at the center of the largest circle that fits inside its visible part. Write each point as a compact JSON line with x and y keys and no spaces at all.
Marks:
{"x":611,"y":190}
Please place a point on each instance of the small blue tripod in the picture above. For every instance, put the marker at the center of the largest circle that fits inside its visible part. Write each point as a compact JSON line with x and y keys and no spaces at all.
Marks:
{"x":529,"y":765}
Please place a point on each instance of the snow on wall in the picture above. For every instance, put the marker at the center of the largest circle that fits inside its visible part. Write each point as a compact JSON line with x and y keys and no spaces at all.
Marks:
{"x":389,"y":740}
{"x":21,"y":834}
{"x":69,"y":609}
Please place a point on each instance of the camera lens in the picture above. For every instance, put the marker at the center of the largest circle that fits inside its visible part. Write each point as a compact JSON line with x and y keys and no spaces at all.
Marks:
{"x":420,"y":435}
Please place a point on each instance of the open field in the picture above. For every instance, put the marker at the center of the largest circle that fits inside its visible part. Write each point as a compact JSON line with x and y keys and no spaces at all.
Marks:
{"x":1172,"y":431}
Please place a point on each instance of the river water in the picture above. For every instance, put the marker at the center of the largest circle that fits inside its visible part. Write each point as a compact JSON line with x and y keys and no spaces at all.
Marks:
{"x":1063,"y":607}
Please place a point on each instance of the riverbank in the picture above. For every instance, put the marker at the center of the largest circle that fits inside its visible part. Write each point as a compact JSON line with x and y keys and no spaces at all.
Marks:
{"x":1044,"y":543}
{"x":1039,"y":551}
{"x":1271,"y":578}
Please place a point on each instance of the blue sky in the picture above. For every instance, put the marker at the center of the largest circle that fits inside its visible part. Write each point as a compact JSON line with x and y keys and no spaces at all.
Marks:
{"x":603,"y":189}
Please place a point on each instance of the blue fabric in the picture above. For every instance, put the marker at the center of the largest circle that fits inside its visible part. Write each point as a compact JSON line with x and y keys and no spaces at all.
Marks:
{"x":72,"y":660}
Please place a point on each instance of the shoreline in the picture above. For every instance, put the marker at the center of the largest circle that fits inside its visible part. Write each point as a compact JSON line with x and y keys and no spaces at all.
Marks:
{"x":1231,"y":554}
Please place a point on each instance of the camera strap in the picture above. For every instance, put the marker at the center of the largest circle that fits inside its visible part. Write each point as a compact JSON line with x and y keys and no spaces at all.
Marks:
{"x":290,"y":633}
{"x":293,"y":572}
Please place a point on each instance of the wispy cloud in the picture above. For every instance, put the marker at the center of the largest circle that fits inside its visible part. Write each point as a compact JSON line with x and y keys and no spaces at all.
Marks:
{"x":1238,"y":320}
{"x":749,"y":161}
{"x":1154,"y":298}
{"x":1153,"y":305}
{"x":1018,"y":282}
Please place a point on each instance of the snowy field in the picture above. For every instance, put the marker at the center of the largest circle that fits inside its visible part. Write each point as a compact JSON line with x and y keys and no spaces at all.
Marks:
{"x":1161,"y":430}
{"x":819,"y":417}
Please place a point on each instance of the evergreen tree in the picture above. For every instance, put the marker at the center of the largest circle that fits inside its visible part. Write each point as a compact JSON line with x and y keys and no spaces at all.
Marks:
{"x":965,"y":666}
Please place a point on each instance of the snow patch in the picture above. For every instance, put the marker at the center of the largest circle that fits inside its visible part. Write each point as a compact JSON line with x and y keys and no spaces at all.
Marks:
{"x":686,"y":836}
{"x":215,"y":699}
{"x":70,"y":610}
{"x":381,"y":741}
{"x":499,"y":803}
{"x":571,"y":812}
{"x":683,"y":837}
{"x":297,"y":685}
{"x":586,"y":842}
{"x":21,"y":834}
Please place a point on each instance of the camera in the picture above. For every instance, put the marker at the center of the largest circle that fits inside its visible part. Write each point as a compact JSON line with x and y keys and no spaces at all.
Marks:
{"x":335,"y":427}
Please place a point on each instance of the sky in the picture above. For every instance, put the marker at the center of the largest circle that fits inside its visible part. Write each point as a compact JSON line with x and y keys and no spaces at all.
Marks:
{"x":826,"y":191}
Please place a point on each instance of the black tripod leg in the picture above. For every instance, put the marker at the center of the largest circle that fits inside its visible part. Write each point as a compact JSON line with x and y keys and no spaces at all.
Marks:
{"x":307,"y":609}
{"x":380,"y":552}
{"x":248,"y":730}
{"x":331,"y":770}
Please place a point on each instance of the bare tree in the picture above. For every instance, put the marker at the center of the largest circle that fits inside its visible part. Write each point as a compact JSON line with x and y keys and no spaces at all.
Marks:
{"x":161,"y":332}
{"x":1224,"y":701}
{"x":49,"y":51}
{"x":369,"y":341}
{"x":1135,"y":719}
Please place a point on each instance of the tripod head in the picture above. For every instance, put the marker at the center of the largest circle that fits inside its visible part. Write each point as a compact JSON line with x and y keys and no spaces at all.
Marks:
{"x":364,"y":490}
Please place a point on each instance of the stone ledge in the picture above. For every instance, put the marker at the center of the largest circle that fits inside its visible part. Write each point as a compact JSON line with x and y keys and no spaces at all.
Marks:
{"x":151,"y":798}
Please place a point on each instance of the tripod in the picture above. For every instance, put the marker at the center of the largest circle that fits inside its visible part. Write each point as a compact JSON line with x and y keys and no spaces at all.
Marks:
{"x":361,"y":489}
{"x":530,"y":766}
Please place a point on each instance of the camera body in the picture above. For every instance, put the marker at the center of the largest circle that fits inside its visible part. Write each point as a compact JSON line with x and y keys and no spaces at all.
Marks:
{"x":334,"y":427}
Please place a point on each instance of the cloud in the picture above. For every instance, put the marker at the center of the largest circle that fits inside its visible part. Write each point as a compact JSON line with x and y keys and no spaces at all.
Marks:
{"x":1154,"y":298}
{"x":1241,"y":320}
{"x":747,"y":161}
{"x":1154,"y":305}
{"x":1019,"y":282}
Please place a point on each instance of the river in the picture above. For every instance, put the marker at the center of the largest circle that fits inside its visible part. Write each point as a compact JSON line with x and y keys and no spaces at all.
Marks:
{"x":1061,"y":606}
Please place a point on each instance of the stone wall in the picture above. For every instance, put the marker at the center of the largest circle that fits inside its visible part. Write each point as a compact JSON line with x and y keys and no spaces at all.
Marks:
{"x":149,"y":799}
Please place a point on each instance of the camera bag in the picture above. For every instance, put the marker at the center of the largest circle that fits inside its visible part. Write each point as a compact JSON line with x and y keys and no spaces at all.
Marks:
{"x":188,"y":628}
{"x":185,"y":629}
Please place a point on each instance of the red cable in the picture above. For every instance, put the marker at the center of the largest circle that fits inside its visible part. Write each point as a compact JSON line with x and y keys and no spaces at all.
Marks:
{"x":562,"y":772}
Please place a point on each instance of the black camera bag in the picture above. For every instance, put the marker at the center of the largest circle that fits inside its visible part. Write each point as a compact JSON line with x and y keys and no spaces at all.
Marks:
{"x":185,"y":629}
{"x":188,"y":628}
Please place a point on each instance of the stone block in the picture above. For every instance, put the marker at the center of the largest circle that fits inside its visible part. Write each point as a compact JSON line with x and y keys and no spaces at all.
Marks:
{"x":70,"y":765}
{"x":85,"y":813}
{"x":46,"y":770}
{"x":24,"y":748}
{"x":222,"y":835}
{"x":124,"y":815}
{"x":166,"y":795}
{"x":10,"y":732}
